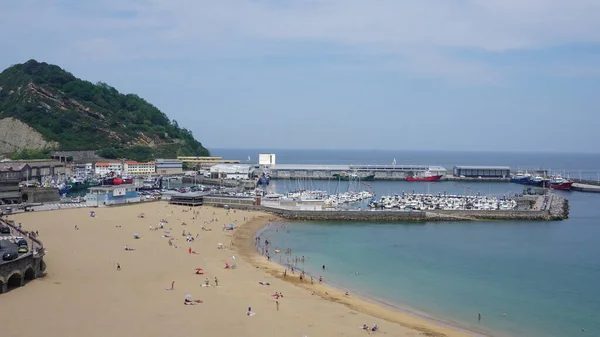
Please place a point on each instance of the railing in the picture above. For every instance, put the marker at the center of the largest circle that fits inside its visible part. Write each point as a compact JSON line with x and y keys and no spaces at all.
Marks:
{"x":37,"y":247}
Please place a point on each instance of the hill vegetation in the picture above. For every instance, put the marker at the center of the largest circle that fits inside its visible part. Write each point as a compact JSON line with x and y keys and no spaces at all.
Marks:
{"x":80,"y":115}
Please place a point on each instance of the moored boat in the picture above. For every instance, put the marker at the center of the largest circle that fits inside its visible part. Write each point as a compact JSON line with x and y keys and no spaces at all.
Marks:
{"x":520,"y":178}
{"x":353,"y":176}
{"x":559,"y":183}
{"x":424,"y":176}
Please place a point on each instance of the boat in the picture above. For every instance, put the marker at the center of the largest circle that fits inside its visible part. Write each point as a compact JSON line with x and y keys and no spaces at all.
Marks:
{"x":425,"y":176}
{"x":537,"y":181}
{"x":353,"y":176}
{"x":520,"y":178}
{"x":264,"y":179}
{"x":82,"y":185}
{"x":559,"y":183}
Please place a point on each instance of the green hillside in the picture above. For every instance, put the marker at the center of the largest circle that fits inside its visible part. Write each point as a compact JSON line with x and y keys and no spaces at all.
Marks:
{"x":80,"y":115}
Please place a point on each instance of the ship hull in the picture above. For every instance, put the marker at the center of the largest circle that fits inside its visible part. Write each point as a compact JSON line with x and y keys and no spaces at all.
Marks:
{"x":430,"y":178}
{"x":560,"y":186}
{"x":523,"y":180}
{"x":370,"y":177}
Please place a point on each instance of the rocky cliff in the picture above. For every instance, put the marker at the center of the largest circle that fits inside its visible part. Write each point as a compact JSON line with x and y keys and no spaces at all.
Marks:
{"x":43,"y":106}
{"x":16,"y":136}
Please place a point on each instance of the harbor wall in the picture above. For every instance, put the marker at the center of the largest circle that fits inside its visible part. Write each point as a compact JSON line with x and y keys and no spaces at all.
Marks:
{"x":37,"y":194}
{"x":337,"y":215}
{"x":557,"y":209}
{"x":386,"y":176}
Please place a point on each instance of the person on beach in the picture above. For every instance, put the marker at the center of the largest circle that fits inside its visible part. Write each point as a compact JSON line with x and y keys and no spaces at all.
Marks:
{"x":320,"y":279}
{"x":118,"y":267}
{"x":216,"y":282}
{"x":277,"y":304}
{"x":207,"y":282}
{"x":285,"y":273}
{"x":311,"y":280}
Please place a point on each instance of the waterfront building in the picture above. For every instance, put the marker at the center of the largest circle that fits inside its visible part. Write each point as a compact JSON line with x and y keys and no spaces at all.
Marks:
{"x":231,"y":171}
{"x":111,"y":195}
{"x":42,"y":167}
{"x":169,"y":166}
{"x":378,"y":172}
{"x":481,"y":171}
{"x":89,"y":168}
{"x":106,"y":168}
{"x":11,"y":174}
{"x":266,"y":159}
{"x":137,"y":168}
{"x":205,"y":162}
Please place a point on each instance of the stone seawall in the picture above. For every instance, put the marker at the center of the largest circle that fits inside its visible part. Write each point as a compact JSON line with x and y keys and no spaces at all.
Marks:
{"x":27,"y":266}
{"x":558,"y":211}
{"x":383,"y":216}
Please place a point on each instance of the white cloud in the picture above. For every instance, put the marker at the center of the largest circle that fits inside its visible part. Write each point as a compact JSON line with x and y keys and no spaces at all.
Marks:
{"x":421,"y":33}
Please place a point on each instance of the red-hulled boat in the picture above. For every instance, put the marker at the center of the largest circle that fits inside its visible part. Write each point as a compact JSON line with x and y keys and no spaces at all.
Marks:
{"x":117,"y":181}
{"x":559,"y":183}
{"x":425,"y":176}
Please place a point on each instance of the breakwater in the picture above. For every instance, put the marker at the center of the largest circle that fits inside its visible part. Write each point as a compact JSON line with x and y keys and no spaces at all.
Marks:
{"x":556,"y":208}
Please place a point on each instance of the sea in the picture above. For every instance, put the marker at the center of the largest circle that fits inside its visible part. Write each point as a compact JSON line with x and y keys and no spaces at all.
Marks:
{"x":526,"y":279}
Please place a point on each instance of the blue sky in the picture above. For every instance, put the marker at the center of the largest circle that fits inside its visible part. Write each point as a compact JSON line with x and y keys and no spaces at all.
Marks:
{"x":387,"y":74}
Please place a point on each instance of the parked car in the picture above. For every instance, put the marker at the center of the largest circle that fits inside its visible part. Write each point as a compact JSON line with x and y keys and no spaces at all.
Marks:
{"x":23,"y":250}
{"x":4,"y":229}
{"x":9,"y":256}
{"x":21,"y":242}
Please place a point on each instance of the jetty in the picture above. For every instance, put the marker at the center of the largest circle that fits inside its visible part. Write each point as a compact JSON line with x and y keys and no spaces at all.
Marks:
{"x":544,"y":208}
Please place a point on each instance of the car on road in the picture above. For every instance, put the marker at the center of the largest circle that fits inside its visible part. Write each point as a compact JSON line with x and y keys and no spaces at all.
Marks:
{"x":4,"y":229}
{"x":9,"y":256}
{"x":23,"y":250}
{"x":21,"y":242}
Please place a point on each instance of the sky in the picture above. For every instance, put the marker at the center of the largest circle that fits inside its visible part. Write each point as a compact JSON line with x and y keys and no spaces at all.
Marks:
{"x":480,"y":75}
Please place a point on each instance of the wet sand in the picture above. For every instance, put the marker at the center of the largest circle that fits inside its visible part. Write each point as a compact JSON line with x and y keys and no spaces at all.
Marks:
{"x":84,"y":295}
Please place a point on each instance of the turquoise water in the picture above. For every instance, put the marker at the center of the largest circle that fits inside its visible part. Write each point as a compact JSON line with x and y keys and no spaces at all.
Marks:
{"x":543,"y":275}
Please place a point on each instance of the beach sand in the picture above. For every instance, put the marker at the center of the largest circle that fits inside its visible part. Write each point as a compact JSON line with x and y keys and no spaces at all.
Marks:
{"x":83,"y":294}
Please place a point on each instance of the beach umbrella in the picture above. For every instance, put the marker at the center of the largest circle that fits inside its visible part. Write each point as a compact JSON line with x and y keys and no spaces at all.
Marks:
{"x":188,"y":296}
{"x":198,"y":269}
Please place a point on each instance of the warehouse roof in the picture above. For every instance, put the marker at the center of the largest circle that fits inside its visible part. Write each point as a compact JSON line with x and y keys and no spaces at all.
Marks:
{"x":471,"y":167}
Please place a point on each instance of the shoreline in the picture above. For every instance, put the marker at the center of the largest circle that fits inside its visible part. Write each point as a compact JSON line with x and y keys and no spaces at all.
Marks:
{"x":419,"y":322}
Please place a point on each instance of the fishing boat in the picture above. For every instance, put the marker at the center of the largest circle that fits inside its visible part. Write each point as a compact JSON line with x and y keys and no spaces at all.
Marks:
{"x":520,"y":178}
{"x":537,"y":181}
{"x":559,"y":183}
{"x":424,"y":176}
{"x":264,"y":179}
{"x":353,"y":176}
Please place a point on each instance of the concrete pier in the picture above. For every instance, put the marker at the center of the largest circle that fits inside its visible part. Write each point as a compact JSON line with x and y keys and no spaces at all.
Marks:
{"x":551,"y":207}
{"x":585,"y":188}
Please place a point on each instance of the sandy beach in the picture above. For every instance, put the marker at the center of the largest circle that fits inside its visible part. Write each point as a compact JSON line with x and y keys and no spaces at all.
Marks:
{"x":83,"y":293}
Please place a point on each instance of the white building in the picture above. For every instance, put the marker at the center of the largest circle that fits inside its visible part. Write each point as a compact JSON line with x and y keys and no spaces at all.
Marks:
{"x":111,"y":195}
{"x":89,"y":168}
{"x":231,"y":171}
{"x":267,"y":159}
{"x":169,"y":166}
{"x":137,"y":168}
{"x":106,"y":168}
